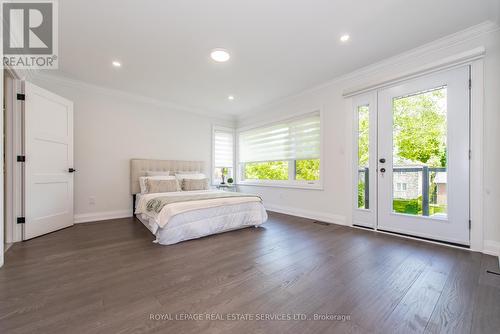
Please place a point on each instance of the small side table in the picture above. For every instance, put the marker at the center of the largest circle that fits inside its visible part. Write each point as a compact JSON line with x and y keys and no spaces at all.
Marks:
{"x":226,"y":187}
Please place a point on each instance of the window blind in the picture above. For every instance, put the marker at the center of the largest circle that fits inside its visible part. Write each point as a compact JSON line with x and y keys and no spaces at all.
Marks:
{"x":295,"y":139}
{"x":223,"y":149}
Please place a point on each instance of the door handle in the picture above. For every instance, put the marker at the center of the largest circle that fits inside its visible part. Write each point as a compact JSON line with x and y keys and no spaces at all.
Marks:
{"x":382,"y":170}
{"x":71,"y":170}
{"x":382,"y":160}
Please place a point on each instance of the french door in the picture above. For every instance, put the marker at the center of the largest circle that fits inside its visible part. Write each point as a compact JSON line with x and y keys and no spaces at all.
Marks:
{"x":418,"y":159}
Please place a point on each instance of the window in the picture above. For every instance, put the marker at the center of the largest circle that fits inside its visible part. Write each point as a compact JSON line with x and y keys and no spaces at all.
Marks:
{"x":401,"y":186}
{"x":286,"y":153}
{"x":223,"y":143}
{"x":420,"y":151}
{"x":363,"y":156}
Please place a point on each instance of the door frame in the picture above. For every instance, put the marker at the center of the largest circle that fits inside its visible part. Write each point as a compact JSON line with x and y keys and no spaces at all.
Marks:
{"x":14,"y":169}
{"x":476,"y":170}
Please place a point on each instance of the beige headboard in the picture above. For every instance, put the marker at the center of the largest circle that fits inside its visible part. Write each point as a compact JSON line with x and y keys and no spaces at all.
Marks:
{"x":139,"y":167}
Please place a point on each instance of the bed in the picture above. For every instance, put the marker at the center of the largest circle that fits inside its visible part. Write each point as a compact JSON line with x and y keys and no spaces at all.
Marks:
{"x":176,"y":216}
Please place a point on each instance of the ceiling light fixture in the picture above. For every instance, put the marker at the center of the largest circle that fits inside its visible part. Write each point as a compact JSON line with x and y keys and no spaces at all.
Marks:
{"x":344,"y":38}
{"x":220,"y":55}
{"x":117,"y":64}
{"x":230,"y":97}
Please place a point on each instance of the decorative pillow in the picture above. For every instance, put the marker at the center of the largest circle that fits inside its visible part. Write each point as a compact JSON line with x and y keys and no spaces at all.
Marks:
{"x":162,"y":186}
{"x":191,"y":176}
{"x":157,"y":173}
{"x":142,"y":181}
{"x":194,"y":184}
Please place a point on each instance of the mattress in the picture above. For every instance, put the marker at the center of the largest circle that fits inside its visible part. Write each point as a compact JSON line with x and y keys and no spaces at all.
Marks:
{"x":203,"y":222}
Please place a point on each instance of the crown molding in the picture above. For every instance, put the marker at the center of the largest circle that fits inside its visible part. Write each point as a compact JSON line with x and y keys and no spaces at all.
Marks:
{"x":454,"y":61}
{"x":115,"y":93}
{"x":443,"y":43}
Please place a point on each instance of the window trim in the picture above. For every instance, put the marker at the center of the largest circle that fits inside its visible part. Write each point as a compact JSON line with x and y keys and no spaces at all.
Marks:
{"x":215,"y":128}
{"x":297,"y":184}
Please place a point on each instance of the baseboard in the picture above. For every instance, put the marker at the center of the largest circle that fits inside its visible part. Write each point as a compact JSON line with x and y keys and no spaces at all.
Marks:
{"x":491,"y":247}
{"x":321,"y":216}
{"x":106,"y":215}
{"x":7,"y":246}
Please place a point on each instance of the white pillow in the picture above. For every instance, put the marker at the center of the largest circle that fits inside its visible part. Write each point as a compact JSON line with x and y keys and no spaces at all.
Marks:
{"x":190,"y":176}
{"x":157,"y":173}
{"x":142,"y":181}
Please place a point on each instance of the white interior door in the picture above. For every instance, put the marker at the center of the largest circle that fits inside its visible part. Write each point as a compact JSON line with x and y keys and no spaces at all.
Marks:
{"x":423,"y":151}
{"x":48,"y":124}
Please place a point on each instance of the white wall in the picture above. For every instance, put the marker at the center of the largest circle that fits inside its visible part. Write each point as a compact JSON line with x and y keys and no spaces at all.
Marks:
{"x":334,"y":202}
{"x":110,"y":129}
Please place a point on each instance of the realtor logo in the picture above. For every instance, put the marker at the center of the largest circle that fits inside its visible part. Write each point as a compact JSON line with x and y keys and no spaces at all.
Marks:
{"x":30,"y":34}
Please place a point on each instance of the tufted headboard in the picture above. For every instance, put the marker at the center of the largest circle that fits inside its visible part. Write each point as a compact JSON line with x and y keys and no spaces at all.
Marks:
{"x":139,"y":167}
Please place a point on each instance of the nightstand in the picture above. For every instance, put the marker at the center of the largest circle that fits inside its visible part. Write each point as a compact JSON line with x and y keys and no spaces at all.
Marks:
{"x":226,"y":187}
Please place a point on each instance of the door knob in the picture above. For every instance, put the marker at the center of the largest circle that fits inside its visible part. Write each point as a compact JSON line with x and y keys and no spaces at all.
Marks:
{"x":382,"y":160}
{"x":382,"y":170}
{"x":71,"y":170}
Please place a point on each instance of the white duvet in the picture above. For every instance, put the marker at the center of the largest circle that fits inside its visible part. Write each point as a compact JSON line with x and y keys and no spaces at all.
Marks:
{"x":193,"y":219}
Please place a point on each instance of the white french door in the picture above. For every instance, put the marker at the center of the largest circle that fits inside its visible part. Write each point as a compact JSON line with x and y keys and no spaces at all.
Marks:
{"x":421,"y":171}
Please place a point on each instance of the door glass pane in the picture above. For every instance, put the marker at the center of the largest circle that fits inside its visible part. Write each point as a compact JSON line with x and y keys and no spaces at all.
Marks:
{"x":363,"y":156}
{"x":420,"y":153}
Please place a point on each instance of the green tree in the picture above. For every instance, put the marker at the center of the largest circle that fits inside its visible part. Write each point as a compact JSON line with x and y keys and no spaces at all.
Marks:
{"x":307,"y":170}
{"x":420,"y":128}
{"x":363,"y":150}
{"x":363,"y":136}
{"x":361,"y":194}
{"x":271,"y":170}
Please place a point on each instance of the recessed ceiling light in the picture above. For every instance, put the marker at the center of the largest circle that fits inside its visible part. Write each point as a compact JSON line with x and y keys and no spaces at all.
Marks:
{"x":344,"y":38}
{"x":220,"y":55}
{"x":230,"y":97}
{"x":117,"y":64}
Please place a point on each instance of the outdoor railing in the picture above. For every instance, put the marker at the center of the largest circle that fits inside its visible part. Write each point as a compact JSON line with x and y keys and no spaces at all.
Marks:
{"x":425,"y":183}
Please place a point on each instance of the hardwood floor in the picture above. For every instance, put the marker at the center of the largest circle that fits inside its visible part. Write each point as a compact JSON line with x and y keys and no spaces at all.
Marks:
{"x":108,"y":277}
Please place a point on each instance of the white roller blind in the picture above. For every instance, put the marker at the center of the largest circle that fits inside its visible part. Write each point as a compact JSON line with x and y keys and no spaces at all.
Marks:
{"x":295,"y":139}
{"x":223,"y":149}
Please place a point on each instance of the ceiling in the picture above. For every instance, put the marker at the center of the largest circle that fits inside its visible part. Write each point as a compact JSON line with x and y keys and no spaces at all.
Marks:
{"x":278,"y":47}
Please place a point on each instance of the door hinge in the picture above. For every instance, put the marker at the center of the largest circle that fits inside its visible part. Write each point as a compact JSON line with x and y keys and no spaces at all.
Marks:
{"x":21,"y":158}
{"x":470,"y":83}
{"x":21,"y":220}
{"x":470,"y":224}
{"x":21,"y":97}
{"x":470,"y":154}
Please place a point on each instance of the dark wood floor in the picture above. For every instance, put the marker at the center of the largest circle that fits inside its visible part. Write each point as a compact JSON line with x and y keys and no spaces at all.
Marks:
{"x":108,"y":277}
